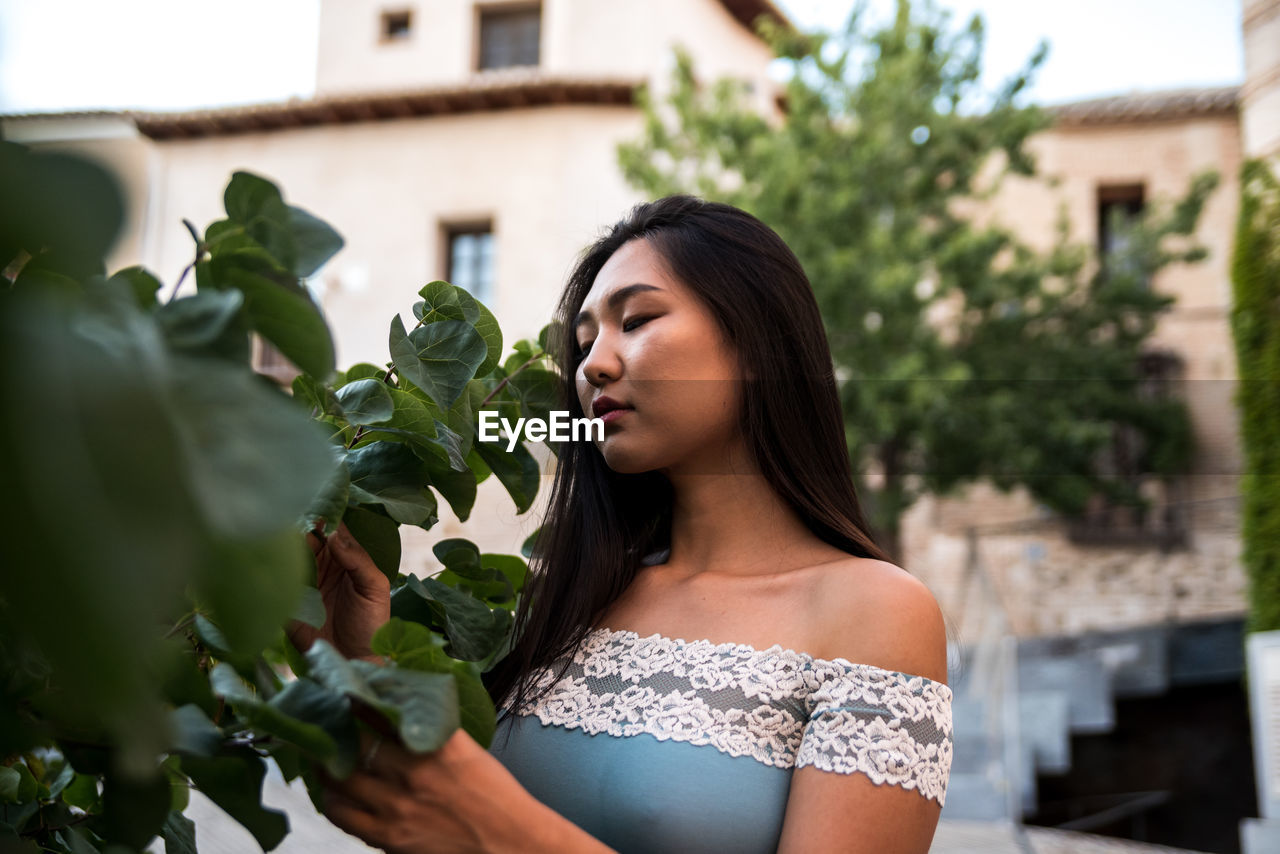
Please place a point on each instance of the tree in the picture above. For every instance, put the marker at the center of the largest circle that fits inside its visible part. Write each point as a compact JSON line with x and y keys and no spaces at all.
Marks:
{"x":962,"y":354}
{"x":1255,"y":323}
{"x":156,"y":495}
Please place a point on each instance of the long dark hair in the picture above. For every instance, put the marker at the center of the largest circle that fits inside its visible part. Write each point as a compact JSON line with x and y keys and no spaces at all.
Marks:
{"x":601,"y":525}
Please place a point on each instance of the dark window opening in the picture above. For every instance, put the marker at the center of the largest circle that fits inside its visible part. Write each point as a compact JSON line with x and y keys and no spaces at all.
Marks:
{"x":509,"y":36}
{"x":397,"y":25}
{"x":1119,"y":209}
{"x":469,"y":259}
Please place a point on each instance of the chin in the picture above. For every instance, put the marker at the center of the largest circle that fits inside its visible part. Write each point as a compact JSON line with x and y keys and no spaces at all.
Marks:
{"x":627,"y":460}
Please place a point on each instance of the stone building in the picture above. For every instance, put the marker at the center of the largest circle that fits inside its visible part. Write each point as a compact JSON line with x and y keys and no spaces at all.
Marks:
{"x":475,"y":141}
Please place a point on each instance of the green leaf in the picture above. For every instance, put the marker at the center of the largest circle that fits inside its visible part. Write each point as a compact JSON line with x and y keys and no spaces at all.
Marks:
{"x":363,"y":371}
{"x":314,"y":242}
{"x":530,"y":542}
{"x":249,"y":197}
{"x":319,"y":397}
{"x":234,"y":782}
{"x":440,"y":358}
{"x":517,"y":470}
{"x":422,"y":707}
{"x":473,"y":628}
{"x":141,"y":283}
{"x":457,"y":554}
{"x":379,"y":536}
{"x":457,"y":487}
{"x":440,"y":301}
{"x":134,"y":810}
{"x":310,"y":608}
{"x":366,"y":402}
{"x":475,"y":707}
{"x":193,"y":732}
{"x":330,"y":503}
{"x":179,"y":834}
{"x":278,"y":309}
{"x":10,"y":781}
{"x":411,"y":645}
{"x":512,"y":568}
{"x":82,"y":793}
{"x":391,"y":475}
{"x":198,"y":321}
{"x":487,"y":325}
{"x":252,"y":459}
{"x":252,"y":587}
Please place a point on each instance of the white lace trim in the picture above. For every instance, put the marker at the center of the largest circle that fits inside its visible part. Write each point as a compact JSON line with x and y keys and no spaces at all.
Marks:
{"x":783,"y":708}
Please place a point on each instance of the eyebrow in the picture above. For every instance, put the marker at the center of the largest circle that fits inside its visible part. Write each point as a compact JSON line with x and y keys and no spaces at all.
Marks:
{"x":615,"y":299}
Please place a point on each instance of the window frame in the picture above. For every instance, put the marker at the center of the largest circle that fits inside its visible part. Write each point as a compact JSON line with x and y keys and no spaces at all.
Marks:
{"x":479,"y":10}
{"x":385,"y":19}
{"x":451,"y":228}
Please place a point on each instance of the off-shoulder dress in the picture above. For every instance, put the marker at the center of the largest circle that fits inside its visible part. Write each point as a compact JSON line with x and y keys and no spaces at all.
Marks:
{"x":656,"y":744}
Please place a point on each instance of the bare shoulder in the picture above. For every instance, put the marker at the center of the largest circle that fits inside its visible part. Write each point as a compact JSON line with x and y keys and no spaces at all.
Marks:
{"x":873,"y":612}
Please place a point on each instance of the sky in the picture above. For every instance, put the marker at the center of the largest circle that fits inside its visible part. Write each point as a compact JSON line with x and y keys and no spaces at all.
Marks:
{"x":181,"y":54}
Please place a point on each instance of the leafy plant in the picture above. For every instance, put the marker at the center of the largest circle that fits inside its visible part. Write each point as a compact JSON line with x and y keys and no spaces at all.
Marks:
{"x":963,"y":353}
{"x":157,"y":492}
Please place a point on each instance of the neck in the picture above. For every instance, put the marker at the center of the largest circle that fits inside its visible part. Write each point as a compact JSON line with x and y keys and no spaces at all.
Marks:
{"x":735,"y":524}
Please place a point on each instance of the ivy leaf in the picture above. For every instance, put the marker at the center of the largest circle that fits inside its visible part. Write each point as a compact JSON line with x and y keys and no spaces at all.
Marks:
{"x":331,"y":501}
{"x":473,"y":628}
{"x":134,"y":810}
{"x":311,"y":609}
{"x":234,"y":783}
{"x":179,"y":834}
{"x":411,"y":645}
{"x":457,"y":487}
{"x":278,"y":309}
{"x":422,"y":707}
{"x":517,"y":470}
{"x":475,"y":706}
{"x":379,"y":536}
{"x":366,"y":402}
{"x":140,"y":283}
{"x":193,"y":732}
{"x":318,"y":396}
{"x":487,"y":326}
{"x":252,"y":459}
{"x":440,"y":358}
{"x":249,"y":197}
{"x":198,"y":321}
{"x":440,"y":301}
{"x":391,"y":475}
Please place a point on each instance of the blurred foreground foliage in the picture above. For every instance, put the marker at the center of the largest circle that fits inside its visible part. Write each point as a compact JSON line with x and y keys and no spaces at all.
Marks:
{"x":961,"y":352}
{"x":157,"y":492}
{"x":1255,"y":321}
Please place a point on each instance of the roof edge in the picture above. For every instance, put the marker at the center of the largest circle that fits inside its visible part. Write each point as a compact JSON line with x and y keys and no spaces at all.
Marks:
{"x":1164,"y":105}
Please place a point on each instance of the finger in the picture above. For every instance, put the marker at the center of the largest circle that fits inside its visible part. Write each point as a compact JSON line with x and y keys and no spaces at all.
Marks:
{"x":352,"y":817}
{"x":369,"y":792}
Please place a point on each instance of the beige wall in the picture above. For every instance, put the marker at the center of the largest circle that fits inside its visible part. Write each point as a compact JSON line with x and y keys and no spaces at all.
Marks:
{"x":1261,"y":91}
{"x":598,"y":38}
{"x":1048,"y":584}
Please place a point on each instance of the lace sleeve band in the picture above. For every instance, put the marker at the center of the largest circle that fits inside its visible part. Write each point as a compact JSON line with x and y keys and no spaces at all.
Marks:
{"x":893,"y":727}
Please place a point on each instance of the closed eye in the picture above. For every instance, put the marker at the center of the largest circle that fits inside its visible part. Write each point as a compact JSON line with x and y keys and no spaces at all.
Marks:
{"x":629,"y":326}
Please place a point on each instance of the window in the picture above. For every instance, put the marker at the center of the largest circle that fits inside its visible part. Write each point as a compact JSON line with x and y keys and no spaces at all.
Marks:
{"x":269,"y":361}
{"x":509,"y":36}
{"x":396,"y":25}
{"x":1119,"y":207}
{"x":469,"y":259}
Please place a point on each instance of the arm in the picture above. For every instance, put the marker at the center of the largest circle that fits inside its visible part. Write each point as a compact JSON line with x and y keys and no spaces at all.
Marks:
{"x":457,"y":800}
{"x":890,"y":620}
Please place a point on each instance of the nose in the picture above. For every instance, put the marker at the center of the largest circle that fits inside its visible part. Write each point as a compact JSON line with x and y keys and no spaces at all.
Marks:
{"x":602,"y":363}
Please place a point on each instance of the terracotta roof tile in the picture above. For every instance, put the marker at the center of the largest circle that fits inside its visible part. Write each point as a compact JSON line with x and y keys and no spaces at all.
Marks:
{"x":1148,"y":106}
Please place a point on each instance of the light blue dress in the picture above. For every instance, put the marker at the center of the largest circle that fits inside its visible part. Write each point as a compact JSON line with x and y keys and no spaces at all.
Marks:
{"x":657,"y":744}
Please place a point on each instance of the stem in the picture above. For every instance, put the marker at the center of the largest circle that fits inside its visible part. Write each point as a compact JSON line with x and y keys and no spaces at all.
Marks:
{"x":201,"y":249}
{"x":509,"y":377}
{"x":356,"y":438}
{"x":184,"y":623}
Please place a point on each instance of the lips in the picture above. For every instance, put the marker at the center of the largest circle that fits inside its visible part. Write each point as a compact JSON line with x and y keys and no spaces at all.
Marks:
{"x":607,"y":409}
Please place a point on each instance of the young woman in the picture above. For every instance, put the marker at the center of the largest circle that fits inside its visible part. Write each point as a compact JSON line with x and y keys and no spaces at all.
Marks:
{"x":806,"y":711}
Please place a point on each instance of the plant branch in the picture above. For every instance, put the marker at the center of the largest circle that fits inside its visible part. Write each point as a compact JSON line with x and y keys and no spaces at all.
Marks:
{"x":509,"y":377}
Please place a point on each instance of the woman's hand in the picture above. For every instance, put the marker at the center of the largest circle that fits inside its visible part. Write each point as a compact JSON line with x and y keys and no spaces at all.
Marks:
{"x":458,"y":800}
{"x":356,"y":594}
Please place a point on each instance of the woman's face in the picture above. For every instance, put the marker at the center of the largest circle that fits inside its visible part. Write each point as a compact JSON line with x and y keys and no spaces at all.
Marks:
{"x":656,"y":367}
